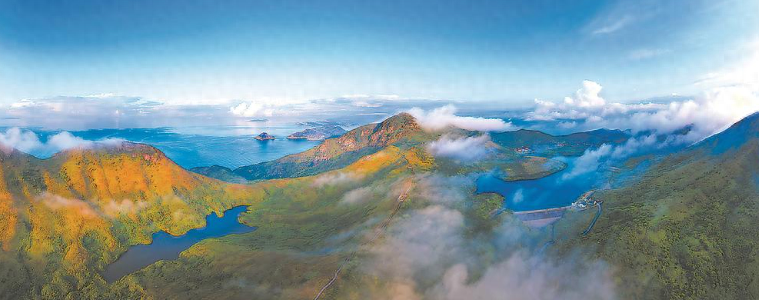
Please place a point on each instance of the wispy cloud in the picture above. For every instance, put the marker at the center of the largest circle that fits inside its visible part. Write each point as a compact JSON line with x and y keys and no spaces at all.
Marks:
{"x":744,"y":72}
{"x":614,"y":25}
{"x":647,"y":53}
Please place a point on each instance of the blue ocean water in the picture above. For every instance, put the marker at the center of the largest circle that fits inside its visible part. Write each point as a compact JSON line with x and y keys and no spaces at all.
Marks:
{"x":190,"y":147}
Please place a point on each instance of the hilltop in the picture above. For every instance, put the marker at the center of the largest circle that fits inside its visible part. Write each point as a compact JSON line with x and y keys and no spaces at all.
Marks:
{"x":74,"y":212}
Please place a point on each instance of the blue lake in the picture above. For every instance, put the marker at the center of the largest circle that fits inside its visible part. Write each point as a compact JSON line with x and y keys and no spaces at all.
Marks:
{"x":548,"y":192}
{"x":167,"y":247}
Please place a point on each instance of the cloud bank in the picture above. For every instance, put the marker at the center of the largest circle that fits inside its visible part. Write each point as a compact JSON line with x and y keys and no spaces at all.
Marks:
{"x":592,"y":159}
{"x":444,"y":117}
{"x":28,"y":142}
{"x":251,"y":110}
{"x":707,"y":114}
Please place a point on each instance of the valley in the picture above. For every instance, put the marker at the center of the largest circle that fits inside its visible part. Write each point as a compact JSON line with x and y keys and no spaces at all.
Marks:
{"x":154,"y":238}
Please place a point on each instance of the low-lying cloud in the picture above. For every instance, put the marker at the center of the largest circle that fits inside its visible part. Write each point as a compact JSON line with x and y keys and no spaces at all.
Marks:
{"x":444,"y":117}
{"x":358,"y":195}
{"x":29,"y":142}
{"x":523,"y":276}
{"x":461,"y":148}
{"x":429,"y":253}
{"x":115,"y":208}
{"x":57,"y":202}
{"x":336,"y":178}
{"x":592,"y":159}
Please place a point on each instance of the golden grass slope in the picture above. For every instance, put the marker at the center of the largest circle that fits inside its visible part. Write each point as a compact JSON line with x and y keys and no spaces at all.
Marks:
{"x":65,"y":217}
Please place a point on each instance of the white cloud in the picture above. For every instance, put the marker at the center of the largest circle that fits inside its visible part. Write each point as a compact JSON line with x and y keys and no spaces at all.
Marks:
{"x":588,"y":162}
{"x":443,"y":117}
{"x":593,"y":158}
{"x":708,"y":113}
{"x":358,"y":195}
{"x":28,"y":142}
{"x":461,"y":148}
{"x":251,"y":110}
{"x":426,"y":238}
{"x":22,"y":140}
{"x":57,"y":202}
{"x":336,"y":178}
{"x":529,"y":277}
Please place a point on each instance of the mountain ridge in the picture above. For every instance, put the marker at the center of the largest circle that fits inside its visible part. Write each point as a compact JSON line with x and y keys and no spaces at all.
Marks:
{"x":331,"y":154}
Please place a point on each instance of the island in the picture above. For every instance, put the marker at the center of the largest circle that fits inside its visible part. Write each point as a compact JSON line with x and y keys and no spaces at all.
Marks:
{"x":264,"y":137}
{"x":318,"y":133}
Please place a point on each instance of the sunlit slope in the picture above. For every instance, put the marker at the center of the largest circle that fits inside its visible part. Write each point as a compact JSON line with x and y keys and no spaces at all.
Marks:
{"x":688,"y":228}
{"x":333,"y":153}
{"x":65,"y":217}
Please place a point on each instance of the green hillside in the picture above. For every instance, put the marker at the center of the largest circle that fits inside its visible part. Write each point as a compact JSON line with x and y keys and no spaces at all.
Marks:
{"x":686,"y":229}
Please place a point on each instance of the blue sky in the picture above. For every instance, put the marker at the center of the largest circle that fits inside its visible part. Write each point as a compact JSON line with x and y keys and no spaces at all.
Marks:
{"x":506,"y":51}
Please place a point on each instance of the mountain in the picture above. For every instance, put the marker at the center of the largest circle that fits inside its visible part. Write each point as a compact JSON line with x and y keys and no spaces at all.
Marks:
{"x":332,"y":154}
{"x":686,"y":229}
{"x":542,"y":143}
{"x":68,"y":215}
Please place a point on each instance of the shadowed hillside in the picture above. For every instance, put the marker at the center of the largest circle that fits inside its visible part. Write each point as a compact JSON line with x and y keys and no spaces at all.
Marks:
{"x":687,"y":229}
{"x":561,"y":145}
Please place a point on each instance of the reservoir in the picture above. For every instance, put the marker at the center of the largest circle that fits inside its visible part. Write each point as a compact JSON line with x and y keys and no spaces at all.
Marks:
{"x":167,"y":247}
{"x":555,"y":190}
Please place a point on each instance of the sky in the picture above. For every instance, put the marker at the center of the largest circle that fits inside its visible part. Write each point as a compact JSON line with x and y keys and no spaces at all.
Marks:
{"x":509,"y":52}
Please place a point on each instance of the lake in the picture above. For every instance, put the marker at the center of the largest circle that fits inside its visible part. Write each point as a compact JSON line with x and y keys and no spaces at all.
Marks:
{"x":168,"y":247}
{"x":548,"y":192}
